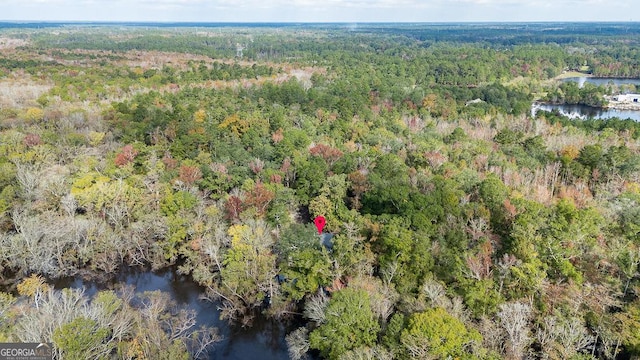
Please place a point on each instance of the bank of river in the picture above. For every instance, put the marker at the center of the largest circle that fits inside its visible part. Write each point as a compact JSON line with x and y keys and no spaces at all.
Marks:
{"x":264,"y":340}
{"x":619,"y":110}
{"x":586,"y":112}
{"x":598,"y":81}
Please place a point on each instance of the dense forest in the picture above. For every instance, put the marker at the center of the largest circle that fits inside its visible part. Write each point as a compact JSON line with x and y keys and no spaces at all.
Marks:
{"x":460,"y":226}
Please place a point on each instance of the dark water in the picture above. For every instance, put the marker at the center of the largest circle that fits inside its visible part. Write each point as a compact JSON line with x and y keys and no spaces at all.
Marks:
{"x":602,"y":81}
{"x":264,"y":340}
{"x":586,"y":112}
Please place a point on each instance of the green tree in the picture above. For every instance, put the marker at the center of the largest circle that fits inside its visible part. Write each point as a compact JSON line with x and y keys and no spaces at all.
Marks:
{"x":352,"y":252}
{"x":494,"y":193}
{"x":248,"y":269}
{"x":311,"y":175}
{"x":349,"y":324}
{"x":629,"y":322}
{"x":331,"y":203}
{"x":81,"y":339}
{"x":303,"y":261}
{"x":436,"y":334}
{"x":389,"y":186}
{"x":403,"y":255}
{"x":6,"y":315}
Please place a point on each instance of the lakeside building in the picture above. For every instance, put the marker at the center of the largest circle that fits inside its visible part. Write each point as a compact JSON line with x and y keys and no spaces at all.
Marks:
{"x":633,"y":98}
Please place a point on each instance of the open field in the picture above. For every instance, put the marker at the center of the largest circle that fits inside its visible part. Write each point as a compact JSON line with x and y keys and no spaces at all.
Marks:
{"x":571,"y":74}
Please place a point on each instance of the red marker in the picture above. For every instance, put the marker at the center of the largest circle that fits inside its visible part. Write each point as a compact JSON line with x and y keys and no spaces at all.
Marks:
{"x":319,"y":221}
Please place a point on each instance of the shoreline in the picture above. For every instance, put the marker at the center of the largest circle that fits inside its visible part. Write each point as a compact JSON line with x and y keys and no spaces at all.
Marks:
{"x":622,"y":106}
{"x":578,"y":74}
{"x":610,"y":106}
{"x":572,"y":74}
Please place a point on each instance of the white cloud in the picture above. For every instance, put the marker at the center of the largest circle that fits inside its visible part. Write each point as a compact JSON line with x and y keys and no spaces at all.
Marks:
{"x":317,"y":10}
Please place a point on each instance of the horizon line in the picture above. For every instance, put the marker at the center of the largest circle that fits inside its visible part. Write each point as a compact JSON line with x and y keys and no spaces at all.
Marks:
{"x":320,"y":22}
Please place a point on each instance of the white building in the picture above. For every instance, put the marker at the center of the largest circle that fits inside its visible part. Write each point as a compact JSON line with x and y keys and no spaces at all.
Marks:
{"x":634,"y":98}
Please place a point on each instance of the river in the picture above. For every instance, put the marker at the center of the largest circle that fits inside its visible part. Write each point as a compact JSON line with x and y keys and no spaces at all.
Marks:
{"x":581,"y":80}
{"x":587,"y":112}
{"x":264,"y":340}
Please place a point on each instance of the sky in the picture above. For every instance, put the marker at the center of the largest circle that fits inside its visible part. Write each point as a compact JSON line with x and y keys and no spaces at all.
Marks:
{"x":320,"y":10}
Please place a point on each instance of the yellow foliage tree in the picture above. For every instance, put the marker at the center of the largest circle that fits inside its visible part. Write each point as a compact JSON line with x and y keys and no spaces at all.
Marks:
{"x":199,"y":116}
{"x":95,"y":138}
{"x":570,"y":152}
{"x":117,"y":198}
{"x":34,"y":287}
{"x":34,"y":114}
{"x":236,"y":124}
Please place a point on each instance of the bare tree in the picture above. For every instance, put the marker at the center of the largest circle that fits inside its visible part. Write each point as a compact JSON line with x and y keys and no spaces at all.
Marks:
{"x":143,"y":236}
{"x":54,"y":310}
{"x":367,"y":353}
{"x":608,"y":338}
{"x":200,"y":341}
{"x":69,"y":204}
{"x":435,"y":293}
{"x":53,"y":244}
{"x":417,"y":347}
{"x":37,"y":242}
{"x":298,"y":344}
{"x":514,"y":318}
{"x":492,"y":335}
{"x":28,"y":177}
{"x":562,"y":337}
{"x":315,"y":306}
{"x":382,"y":295}
{"x":388,"y":272}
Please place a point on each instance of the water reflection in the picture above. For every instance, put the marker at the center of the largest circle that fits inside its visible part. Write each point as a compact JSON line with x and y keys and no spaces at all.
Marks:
{"x":581,"y":80}
{"x":264,"y":340}
{"x":586,"y":112}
